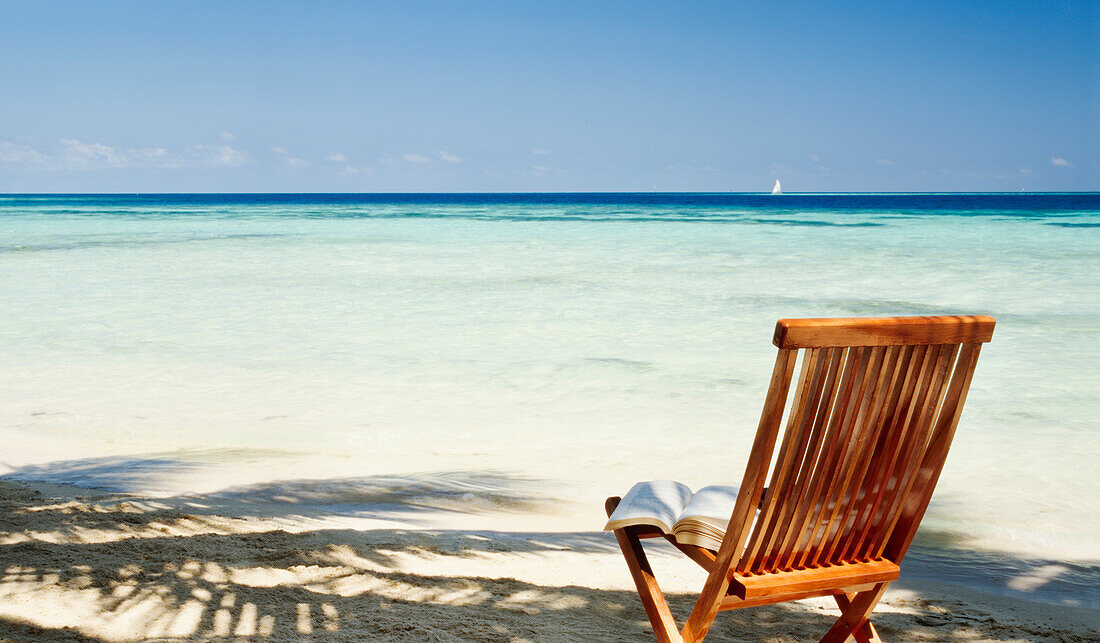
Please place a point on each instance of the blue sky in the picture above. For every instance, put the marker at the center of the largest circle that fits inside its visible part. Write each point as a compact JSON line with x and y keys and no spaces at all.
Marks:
{"x":542,"y":96}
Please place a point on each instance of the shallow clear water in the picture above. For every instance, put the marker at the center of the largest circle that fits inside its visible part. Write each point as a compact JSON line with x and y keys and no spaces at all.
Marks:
{"x":571,"y":343}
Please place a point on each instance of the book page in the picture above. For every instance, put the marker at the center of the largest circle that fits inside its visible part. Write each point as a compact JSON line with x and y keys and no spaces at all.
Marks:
{"x":712,"y":505}
{"x":657,"y":503}
{"x":699,"y":539}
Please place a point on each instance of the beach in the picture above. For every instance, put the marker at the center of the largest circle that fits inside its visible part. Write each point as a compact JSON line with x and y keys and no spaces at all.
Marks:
{"x":397,"y":416}
{"x":88,"y":566}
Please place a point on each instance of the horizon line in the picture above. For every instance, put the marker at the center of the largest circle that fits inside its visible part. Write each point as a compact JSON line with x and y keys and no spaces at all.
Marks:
{"x":765,"y":193}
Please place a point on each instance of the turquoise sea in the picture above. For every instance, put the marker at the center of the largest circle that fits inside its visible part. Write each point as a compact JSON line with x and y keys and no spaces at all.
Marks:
{"x":562,"y":344}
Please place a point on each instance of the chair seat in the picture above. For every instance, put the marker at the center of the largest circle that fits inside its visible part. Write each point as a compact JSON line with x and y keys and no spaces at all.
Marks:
{"x":809,"y":580}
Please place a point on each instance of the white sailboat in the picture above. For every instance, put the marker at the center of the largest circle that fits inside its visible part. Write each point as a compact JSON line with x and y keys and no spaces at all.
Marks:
{"x":777,"y":189}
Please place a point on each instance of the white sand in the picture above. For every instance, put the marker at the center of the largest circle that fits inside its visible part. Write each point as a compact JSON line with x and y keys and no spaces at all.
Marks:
{"x":81,"y":565}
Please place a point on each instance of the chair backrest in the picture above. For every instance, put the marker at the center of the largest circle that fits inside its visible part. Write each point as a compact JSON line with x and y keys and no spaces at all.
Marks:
{"x":875,"y":407}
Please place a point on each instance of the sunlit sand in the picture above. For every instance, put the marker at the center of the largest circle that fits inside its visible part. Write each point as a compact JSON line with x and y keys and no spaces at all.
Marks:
{"x":106,"y":567}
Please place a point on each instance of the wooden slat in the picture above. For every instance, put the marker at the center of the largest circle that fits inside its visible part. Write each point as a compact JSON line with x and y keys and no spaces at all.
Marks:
{"x":858,"y":462}
{"x":793,"y":440}
{"x":748,"y":498}
{"x":853,"y":369}
{"x":897,"y":361}
{"x":808,"y":580}
{"x":842,"y":448}
{"x":791,"y":468}
{"x":883,"y":331}
{"x":812,"y":502}
{"x":732,"y":602}
{"x":851,"y":458}
{"x":801,"y":500}
{"x":936,"y":454}
{"x":886,"y":451}
{"x":920,"y":372}
{"x":929,"y":398}
{"x":870,"y":436}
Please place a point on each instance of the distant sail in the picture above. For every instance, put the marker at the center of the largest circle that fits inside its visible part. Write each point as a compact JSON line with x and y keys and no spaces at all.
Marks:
{"x":777,"y":189}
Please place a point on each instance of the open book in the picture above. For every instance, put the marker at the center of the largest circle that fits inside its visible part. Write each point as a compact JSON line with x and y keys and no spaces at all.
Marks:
{"x":693,"y":519}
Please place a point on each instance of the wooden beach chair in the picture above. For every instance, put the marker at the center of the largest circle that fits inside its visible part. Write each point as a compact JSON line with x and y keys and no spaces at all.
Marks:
{"x":875,"y":407}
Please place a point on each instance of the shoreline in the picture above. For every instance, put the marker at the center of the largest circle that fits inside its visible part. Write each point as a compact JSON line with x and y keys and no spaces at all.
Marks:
{"x":82,"y":564}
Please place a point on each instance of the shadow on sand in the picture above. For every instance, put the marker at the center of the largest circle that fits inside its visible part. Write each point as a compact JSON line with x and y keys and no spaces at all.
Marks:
{"x":107,"y":568}
{"x":402,"y":498}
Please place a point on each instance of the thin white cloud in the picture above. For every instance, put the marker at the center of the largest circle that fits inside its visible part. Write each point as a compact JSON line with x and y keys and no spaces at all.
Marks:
{"x":292,"y":161}
{"x":415,"y":158}
{"x":218,"y":155}
{"x":349,"y":170}
{"x":1060,"y":162}
{"x":540,"y":170}
{"x":814,"y":158}
{"x":336,"y":157}
{"x":13,"y":154}
{"x":228,"y":136}
{"x":151,"y":156}
{"x":885,"y":162}
{"x":1025,"y":170}
{"x":84,"y":155}
{"x":538,"y":151}
{"x":73,"y":154}
{"x":447,"y":157}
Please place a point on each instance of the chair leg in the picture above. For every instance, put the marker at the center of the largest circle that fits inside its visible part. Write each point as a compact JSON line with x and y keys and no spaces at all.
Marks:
{"x":653,"y":600}
{"x":855,"y":612}
{"x":865,"y":634}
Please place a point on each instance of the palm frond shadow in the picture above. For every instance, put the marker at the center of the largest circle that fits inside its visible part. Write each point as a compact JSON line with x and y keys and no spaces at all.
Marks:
{"x":215,"y":582}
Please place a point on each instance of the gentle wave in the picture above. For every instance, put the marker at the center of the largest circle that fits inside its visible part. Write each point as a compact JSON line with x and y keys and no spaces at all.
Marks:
{"x":129,"y":242}
{"x":1073,"y":224}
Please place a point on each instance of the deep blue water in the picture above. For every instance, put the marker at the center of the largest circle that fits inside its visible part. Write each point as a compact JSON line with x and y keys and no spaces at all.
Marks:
{"x":1038,"y":202}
